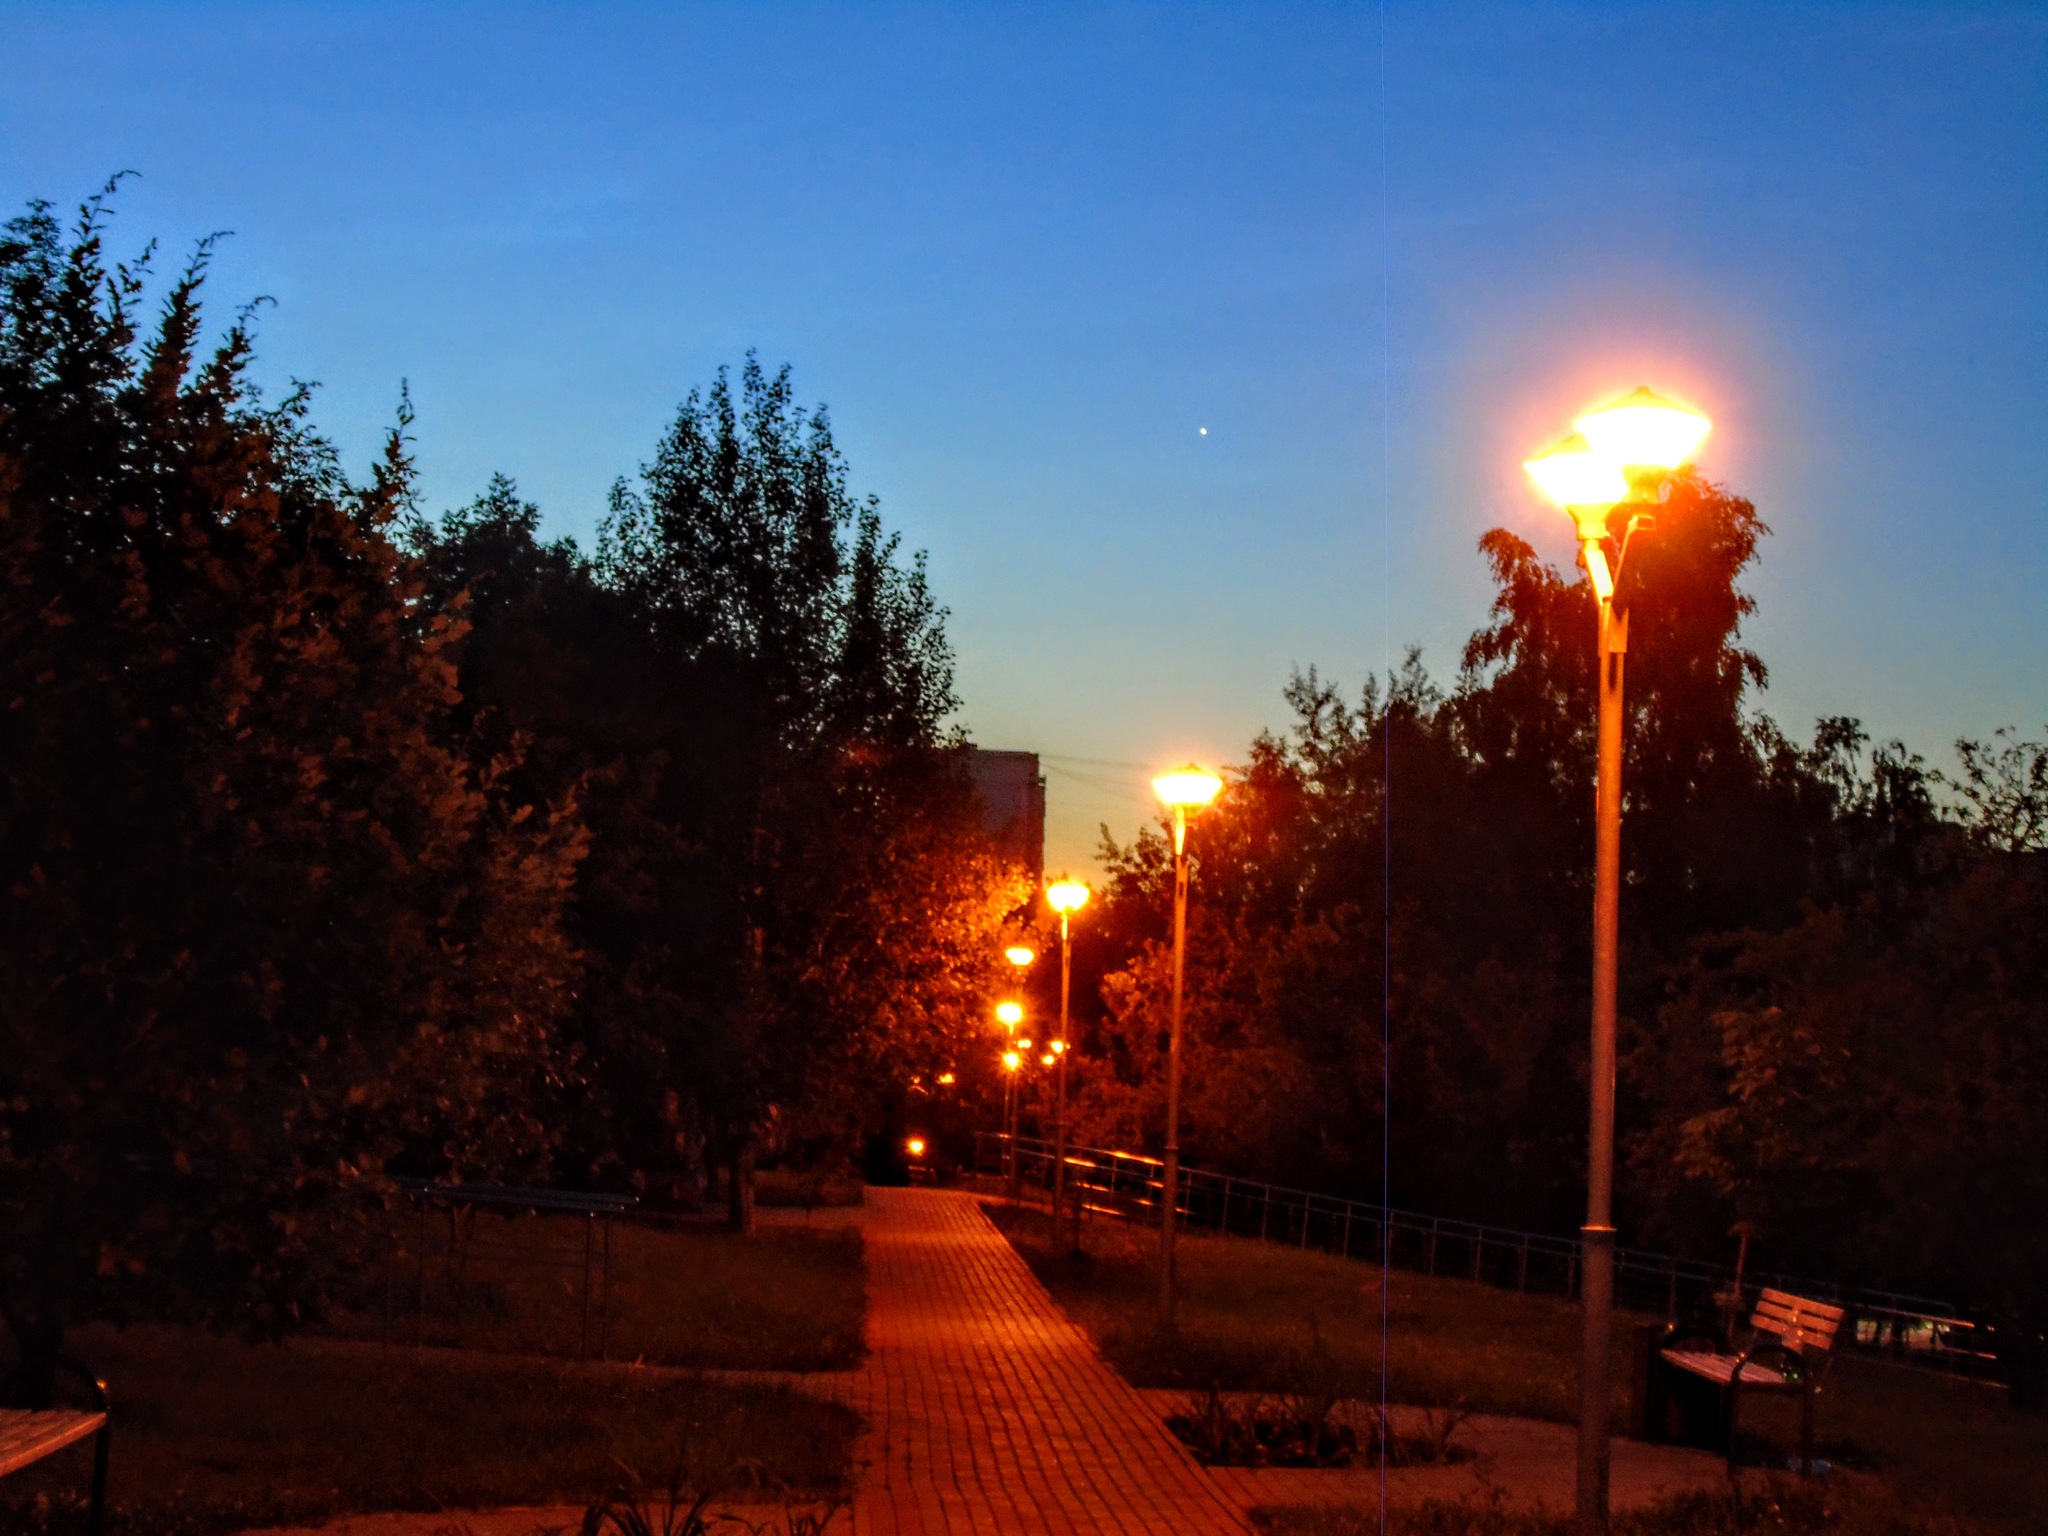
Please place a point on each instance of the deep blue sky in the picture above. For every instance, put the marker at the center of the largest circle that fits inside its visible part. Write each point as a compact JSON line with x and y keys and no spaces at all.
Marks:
{"x":1026,"y":253}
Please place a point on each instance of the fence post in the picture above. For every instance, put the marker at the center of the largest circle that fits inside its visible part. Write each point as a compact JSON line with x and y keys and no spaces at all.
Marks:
{"x":589,"y":1242}
{"x":1265,"y":1211}
{"x":1522,"y":1270}
{"x":1307,"y":1208}
{"x":1432,"y":1243}
{"x":1478,"y":1251}
{"x":1347,"y":1229}
{"x":1671,"y":1303}
{"x":604,"y":1306}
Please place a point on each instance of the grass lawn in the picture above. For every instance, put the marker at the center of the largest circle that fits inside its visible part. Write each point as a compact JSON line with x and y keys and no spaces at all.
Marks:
{"x":783,"y":1299}
{"x":808,"y":1189}
{"x":1249,"y":1310}
{"x":213,"y":1435}
{"x":1778,"y":1506}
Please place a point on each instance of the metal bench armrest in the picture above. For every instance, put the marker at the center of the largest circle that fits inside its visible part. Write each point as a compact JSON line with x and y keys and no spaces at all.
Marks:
{"x":91,"y":1378}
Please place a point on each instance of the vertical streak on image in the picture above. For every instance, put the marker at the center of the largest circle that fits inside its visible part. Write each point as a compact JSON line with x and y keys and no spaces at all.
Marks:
{"x":1386,"y":771}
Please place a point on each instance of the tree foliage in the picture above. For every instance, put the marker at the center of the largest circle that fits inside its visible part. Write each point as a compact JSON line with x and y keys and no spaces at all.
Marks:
{"x":1830,"y":987}
{"x":271,"y":926}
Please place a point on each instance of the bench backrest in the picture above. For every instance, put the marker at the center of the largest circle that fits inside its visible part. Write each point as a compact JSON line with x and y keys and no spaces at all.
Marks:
{"x":1803,"y":1325}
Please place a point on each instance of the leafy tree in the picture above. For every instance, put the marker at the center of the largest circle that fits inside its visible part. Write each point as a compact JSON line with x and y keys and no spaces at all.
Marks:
{"x":269,"y":928}
{"x":788,"y":908}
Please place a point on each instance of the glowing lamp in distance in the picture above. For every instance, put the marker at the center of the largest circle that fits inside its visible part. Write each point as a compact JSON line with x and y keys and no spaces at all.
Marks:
{"x":1644,"y":430}
{"x":1020,"y":955}
{"x":1011,"y":1014}
{"x":1012,"y":1061}
{"x":946,"y":1079}
{"x":1187,"y":788}
{"x":914,"y":1146}
{"x":1067,"y":896}
{"x":1571,"y":474}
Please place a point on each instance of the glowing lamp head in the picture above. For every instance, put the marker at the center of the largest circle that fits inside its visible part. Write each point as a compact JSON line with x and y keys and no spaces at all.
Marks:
{"x":1011,"y":1014}
{"x":914,"y":1146}
{"x":1059,"y":1047}
{"x":1067,"y":896}
{"x":1046,"y":1060}
{"x":1187,"y":788}
{"x":1020,"y":955}
{"x":946,"y":1079}
{"x":1012,"y":1061}
{"x":1645,"y":431}
{"x":1573,"y":475}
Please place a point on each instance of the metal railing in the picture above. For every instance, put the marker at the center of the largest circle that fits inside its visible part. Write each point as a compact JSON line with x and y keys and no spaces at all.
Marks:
{"x":460,"y":1248}
{"x":1126,"y":1186}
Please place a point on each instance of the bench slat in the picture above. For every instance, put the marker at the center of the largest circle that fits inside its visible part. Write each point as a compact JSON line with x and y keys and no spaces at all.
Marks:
{"x":28,"y":1435}
{"x":1812,"y":1324}
{"x":1787,"y":1299}
{"x":1721,"y":1368}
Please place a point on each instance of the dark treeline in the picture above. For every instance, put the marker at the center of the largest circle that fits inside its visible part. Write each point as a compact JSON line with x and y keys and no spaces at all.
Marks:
{"x":1835,"y":1025}
{"x":339,"y":842}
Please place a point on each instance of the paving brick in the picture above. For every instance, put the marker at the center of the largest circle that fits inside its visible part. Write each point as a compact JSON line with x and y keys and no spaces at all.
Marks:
{"x":988,"y":1411}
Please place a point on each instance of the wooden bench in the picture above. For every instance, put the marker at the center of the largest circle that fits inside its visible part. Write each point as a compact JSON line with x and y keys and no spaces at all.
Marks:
{"x":27,"y":1435}
{"x":1790,"y":1347}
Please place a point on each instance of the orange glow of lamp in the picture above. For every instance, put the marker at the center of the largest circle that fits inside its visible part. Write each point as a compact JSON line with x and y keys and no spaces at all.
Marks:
{"x":1020,"y":955}
{"x":1066,"y":896}
{"x":1645,"y":431}
{"x":1010,"y":1014}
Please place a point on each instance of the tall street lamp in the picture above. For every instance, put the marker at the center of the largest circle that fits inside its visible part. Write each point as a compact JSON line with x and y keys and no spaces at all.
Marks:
{"x":1065,"y":897}
{"x":1184,"y":791}
{"x":1010,"y":1013}
{"x":1618,"y":458}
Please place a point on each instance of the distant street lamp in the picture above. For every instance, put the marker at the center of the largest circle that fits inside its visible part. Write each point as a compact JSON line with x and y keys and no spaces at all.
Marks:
{"x":1184,"y":791}
{"x":1010,"y":1013}
{"x":1620,"y":456}
{"x":1066,"y":897}
{"x":1020,"y":955}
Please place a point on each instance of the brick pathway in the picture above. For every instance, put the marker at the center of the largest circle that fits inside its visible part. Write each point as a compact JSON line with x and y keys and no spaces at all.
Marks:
{"x":988,"y":1411}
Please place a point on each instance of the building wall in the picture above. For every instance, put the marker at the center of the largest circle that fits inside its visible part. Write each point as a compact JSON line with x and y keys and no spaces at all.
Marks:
{"x":1012,"y":792}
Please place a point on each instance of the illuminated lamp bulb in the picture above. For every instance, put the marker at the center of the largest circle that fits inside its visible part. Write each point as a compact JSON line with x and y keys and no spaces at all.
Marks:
{"x":1187,"y":788}
{"x":1067,"y":896}
{"x":1645,"y":431}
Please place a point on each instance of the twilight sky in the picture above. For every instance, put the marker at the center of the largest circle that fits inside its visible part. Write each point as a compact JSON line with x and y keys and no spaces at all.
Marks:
{"x":1026,"y":254}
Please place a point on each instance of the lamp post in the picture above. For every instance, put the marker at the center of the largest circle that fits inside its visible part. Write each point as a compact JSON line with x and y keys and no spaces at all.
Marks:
{"x":1066,"y":897}
{"x":1010,"y":1013}
{"x":1619,"y":456}
{"x":1184,"y":791}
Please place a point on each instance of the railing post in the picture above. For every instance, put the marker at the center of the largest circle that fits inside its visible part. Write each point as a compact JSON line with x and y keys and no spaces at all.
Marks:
{"x":1522,"y":1270}
{"x":589,"y":1246}
{"x":1478,"y":1251}
{"x":1433,"y":1221}
{"x":1266,"y":1212}
{"x":1347,"y":1229}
